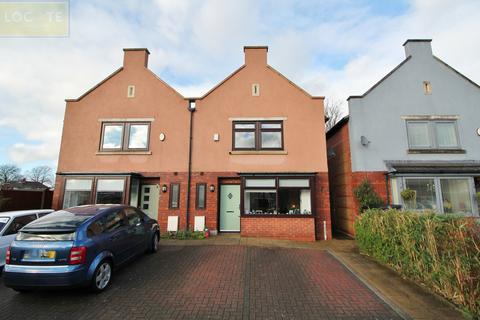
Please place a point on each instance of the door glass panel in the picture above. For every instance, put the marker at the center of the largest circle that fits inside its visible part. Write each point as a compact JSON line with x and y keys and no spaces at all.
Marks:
{"x":134,"y":192}
{"x":456,"y":195}
{"x":425,"y":194}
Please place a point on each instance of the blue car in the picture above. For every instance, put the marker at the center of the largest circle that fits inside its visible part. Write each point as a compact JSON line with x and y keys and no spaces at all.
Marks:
{"x":78,"y":246}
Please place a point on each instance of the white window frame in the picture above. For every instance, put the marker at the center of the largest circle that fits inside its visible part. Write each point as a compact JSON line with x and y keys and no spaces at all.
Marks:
{"x":438,"y":190}
{"x":432,"y":134}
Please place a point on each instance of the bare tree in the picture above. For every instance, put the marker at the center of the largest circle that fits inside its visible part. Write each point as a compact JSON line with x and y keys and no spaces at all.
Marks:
{"x":9,"y":173}
{"x":333,"y":112}
{"x":42,"y":174}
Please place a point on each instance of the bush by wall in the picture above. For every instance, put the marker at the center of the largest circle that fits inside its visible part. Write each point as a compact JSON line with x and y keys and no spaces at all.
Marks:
{"x":441,"y":252}
{"x":366,"y":196}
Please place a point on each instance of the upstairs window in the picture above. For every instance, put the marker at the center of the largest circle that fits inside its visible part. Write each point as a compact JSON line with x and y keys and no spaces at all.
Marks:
{"x":258,"y":135}
{"x":432,"y":134}
{"x":125,"y":136}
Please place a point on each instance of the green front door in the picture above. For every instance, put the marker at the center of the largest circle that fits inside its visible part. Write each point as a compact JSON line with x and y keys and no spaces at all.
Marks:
{"x":230,"y":207}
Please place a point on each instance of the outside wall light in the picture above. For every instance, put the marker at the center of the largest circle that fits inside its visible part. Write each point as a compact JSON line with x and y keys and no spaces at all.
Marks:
{"x":164,"y":188}
{"x":212,"y":188}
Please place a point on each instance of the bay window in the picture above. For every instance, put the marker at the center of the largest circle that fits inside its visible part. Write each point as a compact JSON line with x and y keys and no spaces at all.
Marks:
{"x":258,"y":135}
{"x":125,"y":136}
{"x":80,"y":191}
{"x":277,"y":196}
{"x":443,"y":194}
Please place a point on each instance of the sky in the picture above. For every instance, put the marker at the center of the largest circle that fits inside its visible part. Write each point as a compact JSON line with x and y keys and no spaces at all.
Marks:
{"x":334,"y":48}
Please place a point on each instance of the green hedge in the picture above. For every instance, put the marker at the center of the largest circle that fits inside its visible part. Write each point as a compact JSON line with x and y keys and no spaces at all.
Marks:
{"x":441,"y":252}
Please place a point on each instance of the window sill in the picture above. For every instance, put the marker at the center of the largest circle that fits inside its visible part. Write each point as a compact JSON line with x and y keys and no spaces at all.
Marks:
{"x":435,"y":151}
{"x":123,"y":153}
{"x":261,"y":152}
{"x":277,"y":216}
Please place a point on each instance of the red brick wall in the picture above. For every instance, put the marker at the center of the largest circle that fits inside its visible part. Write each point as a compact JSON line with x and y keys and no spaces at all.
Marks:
{"x":343,"y":181}
{"x":300,"y":229}
{"x":321,"y":204}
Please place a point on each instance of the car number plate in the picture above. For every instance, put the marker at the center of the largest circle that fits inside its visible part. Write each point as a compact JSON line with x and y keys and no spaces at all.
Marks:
{"x":40,"y":255}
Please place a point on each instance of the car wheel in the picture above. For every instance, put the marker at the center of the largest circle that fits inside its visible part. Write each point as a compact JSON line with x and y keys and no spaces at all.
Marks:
{"x":102,"y":276}
{"x":154,"y":243}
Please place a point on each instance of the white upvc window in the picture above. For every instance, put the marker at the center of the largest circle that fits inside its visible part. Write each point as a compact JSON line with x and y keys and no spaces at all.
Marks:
{"x":432,"y":134}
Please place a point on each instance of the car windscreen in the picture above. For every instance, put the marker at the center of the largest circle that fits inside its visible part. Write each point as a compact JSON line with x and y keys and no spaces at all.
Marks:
{"x":3,"y":222}
{"x":26,"y":236}
{"x":57,"y":221}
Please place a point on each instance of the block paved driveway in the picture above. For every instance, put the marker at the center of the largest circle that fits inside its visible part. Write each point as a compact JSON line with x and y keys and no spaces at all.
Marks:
{"x":213,"y":282}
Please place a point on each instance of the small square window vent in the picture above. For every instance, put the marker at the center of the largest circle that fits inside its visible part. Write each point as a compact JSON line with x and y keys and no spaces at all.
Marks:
{"x":255,"y":89}
{"x":131,"y":91}
{"x":427,"y":87}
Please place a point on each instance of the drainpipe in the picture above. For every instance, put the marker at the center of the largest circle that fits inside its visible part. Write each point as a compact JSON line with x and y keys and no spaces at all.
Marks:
{"x":191,"y":108}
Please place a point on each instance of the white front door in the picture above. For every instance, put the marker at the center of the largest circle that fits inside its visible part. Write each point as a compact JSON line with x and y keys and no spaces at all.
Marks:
{"x":150,"y":194}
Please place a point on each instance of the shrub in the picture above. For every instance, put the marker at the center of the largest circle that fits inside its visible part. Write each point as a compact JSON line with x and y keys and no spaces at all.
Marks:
{"x":408,"y":194}
{"x":441,"y":252}
{"x":478,"y":196}
{"x":366,"y":196}
{"x":184,"y":235}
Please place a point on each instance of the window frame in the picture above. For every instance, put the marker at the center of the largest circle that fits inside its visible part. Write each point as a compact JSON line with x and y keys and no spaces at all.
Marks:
{"x":125,"y":141}
{"x":170,"y":198}
{"x":197,"y":193}
{"x":258,"y":130}
{"x":93,"y":190}
{"x":432,"y":134}
{"x":9,"y":226}
{"x":311,"y":187}
{"x":439,"y":192}
{"x":97,"y":179}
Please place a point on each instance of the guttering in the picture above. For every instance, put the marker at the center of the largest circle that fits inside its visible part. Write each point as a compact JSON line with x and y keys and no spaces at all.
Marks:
{"x":191,"y":108}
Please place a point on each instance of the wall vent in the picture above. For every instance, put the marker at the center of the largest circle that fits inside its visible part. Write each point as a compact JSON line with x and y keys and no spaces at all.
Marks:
{"x":255,"y":89}
{"x":427,"y":87}
{"x":131,"y":92}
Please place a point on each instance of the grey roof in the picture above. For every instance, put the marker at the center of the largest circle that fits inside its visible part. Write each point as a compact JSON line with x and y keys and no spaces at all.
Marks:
{"x":24,"y":185}
{"x":425,"y":167}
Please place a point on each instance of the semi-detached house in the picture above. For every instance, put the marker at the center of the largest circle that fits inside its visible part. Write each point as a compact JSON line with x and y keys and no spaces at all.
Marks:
{"x":249,"y":156}
{"x":418,"y":128}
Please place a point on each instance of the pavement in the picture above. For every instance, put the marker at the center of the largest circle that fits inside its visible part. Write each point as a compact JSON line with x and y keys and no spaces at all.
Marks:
{"x":229,"y":277}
